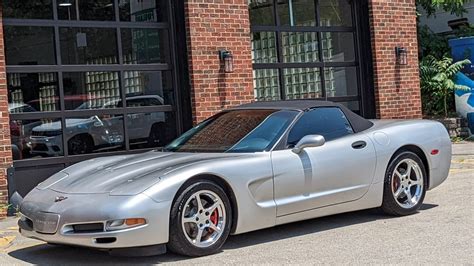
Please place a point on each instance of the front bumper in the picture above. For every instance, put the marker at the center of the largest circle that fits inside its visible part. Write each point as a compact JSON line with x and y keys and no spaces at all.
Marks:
{"x":49,"y":146}
{"x":80,"y":209}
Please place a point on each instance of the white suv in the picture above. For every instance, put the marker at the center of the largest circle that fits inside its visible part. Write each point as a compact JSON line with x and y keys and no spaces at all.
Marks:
{"x":94,"y":134}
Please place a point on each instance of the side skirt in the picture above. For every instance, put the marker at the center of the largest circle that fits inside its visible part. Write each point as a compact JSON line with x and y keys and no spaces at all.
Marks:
{"x":372,"y":199}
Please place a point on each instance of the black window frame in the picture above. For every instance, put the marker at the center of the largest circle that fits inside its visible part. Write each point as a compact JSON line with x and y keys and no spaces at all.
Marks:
{"x":121,"y":67}
{"x":362,"y":58}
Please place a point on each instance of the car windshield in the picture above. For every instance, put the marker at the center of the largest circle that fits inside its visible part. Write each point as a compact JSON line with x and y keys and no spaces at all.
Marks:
{"x":235,"y":131}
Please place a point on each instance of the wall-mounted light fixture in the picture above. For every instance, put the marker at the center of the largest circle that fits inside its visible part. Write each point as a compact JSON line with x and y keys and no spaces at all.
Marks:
{"x":228,"y":59}
{"x":65,"y":3}
{"x":402,"y":55}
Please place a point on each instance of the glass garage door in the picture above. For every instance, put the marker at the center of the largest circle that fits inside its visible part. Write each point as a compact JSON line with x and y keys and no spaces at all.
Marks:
{"x":88,"y":78}
{"x":307,"y":49}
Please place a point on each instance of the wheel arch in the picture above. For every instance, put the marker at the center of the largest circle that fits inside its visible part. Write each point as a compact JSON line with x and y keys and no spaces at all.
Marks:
{"x":419,"y":152}
{"x":83,"y":135}
{"x":156,"y":124}
{"x":224,"y":185}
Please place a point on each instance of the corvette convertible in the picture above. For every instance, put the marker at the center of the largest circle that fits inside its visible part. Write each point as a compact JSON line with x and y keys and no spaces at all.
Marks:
{"x":253,"y":166}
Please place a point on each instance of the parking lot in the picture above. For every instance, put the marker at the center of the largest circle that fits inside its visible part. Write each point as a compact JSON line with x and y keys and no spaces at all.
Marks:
{"x":442,"y":233}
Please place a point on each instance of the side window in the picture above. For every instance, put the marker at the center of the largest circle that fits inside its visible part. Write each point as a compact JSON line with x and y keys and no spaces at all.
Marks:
{"x":137,"y":102}
{"x":330,"y":122}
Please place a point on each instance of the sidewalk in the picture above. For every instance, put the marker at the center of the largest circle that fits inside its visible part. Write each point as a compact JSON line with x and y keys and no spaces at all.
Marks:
{"x":463,"y":148}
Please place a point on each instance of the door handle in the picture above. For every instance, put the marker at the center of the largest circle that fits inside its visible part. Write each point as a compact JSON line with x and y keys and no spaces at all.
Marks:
{"x":359,"y":144}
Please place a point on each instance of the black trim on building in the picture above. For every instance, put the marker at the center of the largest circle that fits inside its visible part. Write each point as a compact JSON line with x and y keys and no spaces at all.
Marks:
{"x":29,"y":172}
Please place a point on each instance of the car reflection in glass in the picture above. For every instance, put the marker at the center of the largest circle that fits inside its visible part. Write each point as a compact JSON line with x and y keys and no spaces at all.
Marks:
{"x":100,"y":133}
{"x":20,"y":130}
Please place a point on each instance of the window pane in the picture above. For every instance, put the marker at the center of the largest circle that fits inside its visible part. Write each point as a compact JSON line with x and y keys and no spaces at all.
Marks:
{"x":335,"y":12}
{"x":32,"y":92}
{"x":36,"y":138}
{"x":338,"y":46}
{"x":297,"y":12}
{"x":86,"y":10}
{"x":341,"y":81}
{"x":148,"y":88}
{"x":261,"y":12}
{"x":145,"y":46}
{"x":264,"y":47}
{"x":28,"y":9}
{"x":300,"y":47}
{"x":143,"y":11}
{"x":266,"y":84}
{"x":95,"y":134}
{"x":151,"y":130}
{"x":302,"y":83}
{"x":91,"y":90}
{"x":331,"y":123}
{"x":22,"y":45}
{"x":88,"y":46}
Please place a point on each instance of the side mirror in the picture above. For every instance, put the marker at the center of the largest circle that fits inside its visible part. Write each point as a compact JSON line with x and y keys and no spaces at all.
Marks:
{"x":309,"y":141}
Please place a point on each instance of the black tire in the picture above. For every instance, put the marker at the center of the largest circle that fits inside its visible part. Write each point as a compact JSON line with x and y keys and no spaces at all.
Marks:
{"x":178,"y":243}
{"x":389,"y":203}
{"x":80,"y":144}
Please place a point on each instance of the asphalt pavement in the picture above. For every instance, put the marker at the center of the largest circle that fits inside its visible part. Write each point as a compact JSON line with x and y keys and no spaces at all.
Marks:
{"x":441,"y":233}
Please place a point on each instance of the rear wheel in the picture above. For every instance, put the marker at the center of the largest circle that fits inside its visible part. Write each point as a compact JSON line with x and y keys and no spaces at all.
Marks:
{"x":80,"y":144}
{"x":200,"y":220}
{"x":405,"y":184}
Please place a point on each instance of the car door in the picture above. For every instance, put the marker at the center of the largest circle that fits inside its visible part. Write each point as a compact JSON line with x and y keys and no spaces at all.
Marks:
{"x":138,"y":123}
{"x":341,"y":170}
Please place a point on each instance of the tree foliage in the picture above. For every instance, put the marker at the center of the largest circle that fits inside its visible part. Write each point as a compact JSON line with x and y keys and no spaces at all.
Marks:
{"x":437,"y":77}
{"x":455,"y":7}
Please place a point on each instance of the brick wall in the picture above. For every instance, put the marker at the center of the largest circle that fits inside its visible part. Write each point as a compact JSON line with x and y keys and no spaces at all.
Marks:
{"x":5,"y":145}
{"x":397,"y":87}
{"x":212,"y":25}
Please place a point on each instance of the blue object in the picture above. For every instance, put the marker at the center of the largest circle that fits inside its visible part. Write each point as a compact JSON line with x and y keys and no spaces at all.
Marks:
{"x":470,"y":121}
{"x":463,"y":48}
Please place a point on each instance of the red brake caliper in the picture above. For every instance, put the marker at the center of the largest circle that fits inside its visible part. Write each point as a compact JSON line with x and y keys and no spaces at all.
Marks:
{"x":214,"y":217}
{"x":396,"y":184}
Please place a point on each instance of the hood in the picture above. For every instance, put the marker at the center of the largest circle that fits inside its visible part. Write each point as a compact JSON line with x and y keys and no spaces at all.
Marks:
{"x":122,"y":175}
{"x":55,"y":126}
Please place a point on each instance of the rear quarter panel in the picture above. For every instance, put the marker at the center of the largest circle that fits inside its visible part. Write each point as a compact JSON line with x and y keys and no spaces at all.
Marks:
{"x":389,"y":136}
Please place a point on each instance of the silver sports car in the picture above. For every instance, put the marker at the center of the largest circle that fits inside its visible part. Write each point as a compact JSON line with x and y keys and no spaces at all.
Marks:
{"x":247,"y":168}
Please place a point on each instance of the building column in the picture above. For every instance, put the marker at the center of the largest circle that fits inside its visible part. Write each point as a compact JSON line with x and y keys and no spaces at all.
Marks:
{"x":5,"y":141}
{"x":211,"y":26}
{"x":397,"y":87}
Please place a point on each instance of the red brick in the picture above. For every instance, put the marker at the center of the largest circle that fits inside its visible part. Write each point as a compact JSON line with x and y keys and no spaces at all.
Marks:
{"x":397,"y":88}
{"x":5,"y":142}
{"x":209,"y":29}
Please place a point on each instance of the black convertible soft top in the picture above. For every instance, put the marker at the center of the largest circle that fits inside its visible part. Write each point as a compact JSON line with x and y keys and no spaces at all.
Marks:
{"x":358,"y":123}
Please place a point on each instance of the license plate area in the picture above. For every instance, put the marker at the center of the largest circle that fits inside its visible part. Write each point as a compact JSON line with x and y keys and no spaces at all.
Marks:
{"x":46,"y":223}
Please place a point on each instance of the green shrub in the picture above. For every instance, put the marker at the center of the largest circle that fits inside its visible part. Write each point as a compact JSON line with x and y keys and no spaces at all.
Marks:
{"x":437,"y":83}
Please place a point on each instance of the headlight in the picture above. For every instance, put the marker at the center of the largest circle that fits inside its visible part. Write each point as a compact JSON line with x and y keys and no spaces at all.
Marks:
{"x":119,"y":224}
{"x":23,"y":217}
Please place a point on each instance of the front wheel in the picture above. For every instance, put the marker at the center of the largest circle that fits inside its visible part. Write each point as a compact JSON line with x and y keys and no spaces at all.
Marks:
{"x":80,"y":144}
{"x":200,"y":220}
{"x":405,"y":185}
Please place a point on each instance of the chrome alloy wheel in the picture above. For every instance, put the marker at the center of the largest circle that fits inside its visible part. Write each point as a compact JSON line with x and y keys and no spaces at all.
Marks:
{"x":407,"y":183}
{"x":204,"y":218}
